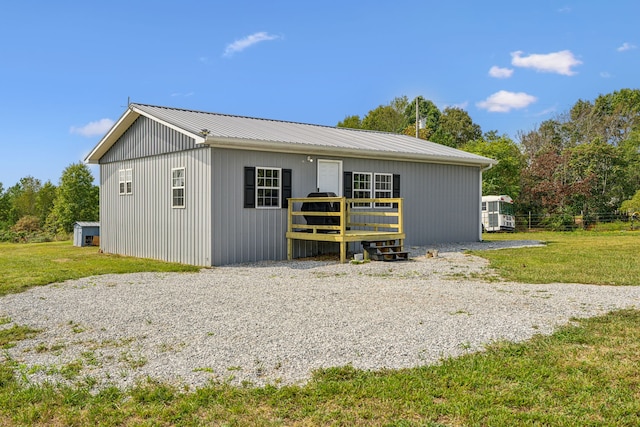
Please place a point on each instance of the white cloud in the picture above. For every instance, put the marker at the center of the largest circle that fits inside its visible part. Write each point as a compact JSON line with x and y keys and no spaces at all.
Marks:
{"x":500,"y":73}
{"x":504,"y":101}
{"x":556,"y":62}
{"x":185,"y":95}
{"x":626,"y":46}
{"x":242,"y":44}
{"x":462,"y":105}
{"x":545,"y":112}
{"x":96,"y":128}
{"x":605,"y":75}
{"x":565,"y":9}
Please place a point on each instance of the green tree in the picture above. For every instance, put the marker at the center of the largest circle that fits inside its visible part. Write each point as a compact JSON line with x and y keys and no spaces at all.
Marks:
{"x":547,"y":137}
{"x":351,"y":122}
{"x":618,"y":114}
{"x":76,"y":199}
{"x":383,"y":118}
{"x":455,"y":128}
{"x":632,"y":205}
{"x":5,"y":206}
{"x":503,"y":178}
{"x":428,"y":112}
{"x":630,"y":152}
{"x":25,"y":196}
{"x":12,"y":194}
{"x":44,"y":201}
{"x":599,"y":170}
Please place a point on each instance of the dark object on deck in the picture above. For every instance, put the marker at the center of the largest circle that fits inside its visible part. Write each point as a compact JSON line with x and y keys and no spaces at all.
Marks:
{"x":321,"y":207}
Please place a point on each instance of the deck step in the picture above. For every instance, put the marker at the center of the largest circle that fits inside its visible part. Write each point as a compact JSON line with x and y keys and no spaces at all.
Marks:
{"x":388,"y":250}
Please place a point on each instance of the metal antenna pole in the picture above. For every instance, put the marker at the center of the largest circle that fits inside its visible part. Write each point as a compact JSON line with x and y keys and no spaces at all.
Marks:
{"x":417,"y":120}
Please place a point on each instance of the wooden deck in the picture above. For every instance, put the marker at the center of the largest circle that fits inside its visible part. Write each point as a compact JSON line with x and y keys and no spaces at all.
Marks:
{"x":347,"y":230}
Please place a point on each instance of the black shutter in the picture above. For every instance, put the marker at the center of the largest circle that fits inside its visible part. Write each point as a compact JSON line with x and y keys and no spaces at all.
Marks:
{"x":286,"y":187}
{"x":249,"y":187}
{"x":395,"y":188}
{"x":347,"y":185}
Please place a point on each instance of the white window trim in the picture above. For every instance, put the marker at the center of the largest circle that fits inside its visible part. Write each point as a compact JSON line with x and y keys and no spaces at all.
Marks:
{"x":183,"y":187}
{"x":125,"y":176}
{"x":376,"y":191}
{"x":279,"y":187}
{"x":357,"y":205}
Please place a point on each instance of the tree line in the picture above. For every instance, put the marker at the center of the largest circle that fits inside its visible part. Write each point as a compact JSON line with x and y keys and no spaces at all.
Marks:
{"x":585,"y":161}
{"x":33,"y":211}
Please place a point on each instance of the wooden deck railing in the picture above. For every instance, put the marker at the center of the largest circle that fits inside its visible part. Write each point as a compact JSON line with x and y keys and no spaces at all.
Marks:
{"x":347,"y":228}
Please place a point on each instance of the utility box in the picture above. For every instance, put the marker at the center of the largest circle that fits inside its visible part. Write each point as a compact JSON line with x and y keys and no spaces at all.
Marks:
{"x":86,"y":233}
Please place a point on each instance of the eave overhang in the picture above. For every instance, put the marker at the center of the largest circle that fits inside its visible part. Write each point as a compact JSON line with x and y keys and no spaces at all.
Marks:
{"x":321,"y":150}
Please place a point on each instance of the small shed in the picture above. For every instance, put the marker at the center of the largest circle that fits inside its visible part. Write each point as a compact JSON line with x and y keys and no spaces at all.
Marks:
{"x":86,"y":233}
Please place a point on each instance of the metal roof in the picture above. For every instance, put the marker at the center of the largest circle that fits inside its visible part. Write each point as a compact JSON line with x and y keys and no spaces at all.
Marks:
{"x":87,"y":224}
{"x":221,"y":130}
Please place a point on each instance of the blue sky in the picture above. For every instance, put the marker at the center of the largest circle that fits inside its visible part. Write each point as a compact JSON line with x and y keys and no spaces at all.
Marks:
{"x":67,"y":68}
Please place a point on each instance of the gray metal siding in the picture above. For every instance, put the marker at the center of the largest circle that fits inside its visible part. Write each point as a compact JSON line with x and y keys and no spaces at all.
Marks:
{"x":440,"y":201}
{"x":146,"y":137}
{"x":242,"y":234}
{"x":440,"y":204}
{"x":143,"y":224}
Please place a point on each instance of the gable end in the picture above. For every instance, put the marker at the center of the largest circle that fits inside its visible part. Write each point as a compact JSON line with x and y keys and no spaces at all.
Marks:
{"x":146,"y":137}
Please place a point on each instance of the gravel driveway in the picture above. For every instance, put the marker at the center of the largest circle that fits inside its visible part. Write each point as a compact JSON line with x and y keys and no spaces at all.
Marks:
{"x":276,"y":322}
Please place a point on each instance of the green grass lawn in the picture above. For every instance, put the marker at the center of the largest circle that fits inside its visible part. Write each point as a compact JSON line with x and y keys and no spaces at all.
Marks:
{"x":601,"y":258}
{"x":584,"y":374}
{"x":33,"y":264}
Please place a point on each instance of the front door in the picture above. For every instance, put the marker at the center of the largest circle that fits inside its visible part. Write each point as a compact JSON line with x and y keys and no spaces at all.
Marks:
{"x":330,"y":176}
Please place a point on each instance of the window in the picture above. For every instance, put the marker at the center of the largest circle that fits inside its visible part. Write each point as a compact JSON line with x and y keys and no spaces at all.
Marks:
{"x":361,"y":188}
{"x":383,"y":188}
{"x":359,"y":185}
{"x":177,"y":188}
{"x":506,"y":208}
{"x":267,"y":187}
{"x":124,"y":180}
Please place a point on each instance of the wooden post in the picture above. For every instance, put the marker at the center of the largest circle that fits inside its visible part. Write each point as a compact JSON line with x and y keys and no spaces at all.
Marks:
{"x":289,"y":229}
{"x":343,"y":230}
{"x":400,"y":221}
{"x":400,"y":216}
{"x":343,"y":216}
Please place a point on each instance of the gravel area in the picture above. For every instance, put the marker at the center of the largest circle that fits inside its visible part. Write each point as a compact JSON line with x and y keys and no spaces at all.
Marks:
{"x":276,"y":322}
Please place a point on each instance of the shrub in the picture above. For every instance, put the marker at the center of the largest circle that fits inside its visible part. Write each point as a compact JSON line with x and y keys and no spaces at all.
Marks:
{"x":28,"y":224}
{"x":559,"y":222}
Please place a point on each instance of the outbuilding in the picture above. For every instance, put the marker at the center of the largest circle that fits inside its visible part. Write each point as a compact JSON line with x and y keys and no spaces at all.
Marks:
{"x":212,"y":189}
{"x":86,"y":233}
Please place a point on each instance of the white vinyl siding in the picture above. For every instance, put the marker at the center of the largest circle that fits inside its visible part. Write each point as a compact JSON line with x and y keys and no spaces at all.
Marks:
{"x":125,"y":181}
{"x":268,"y":187}
{"x":177,"y":187}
